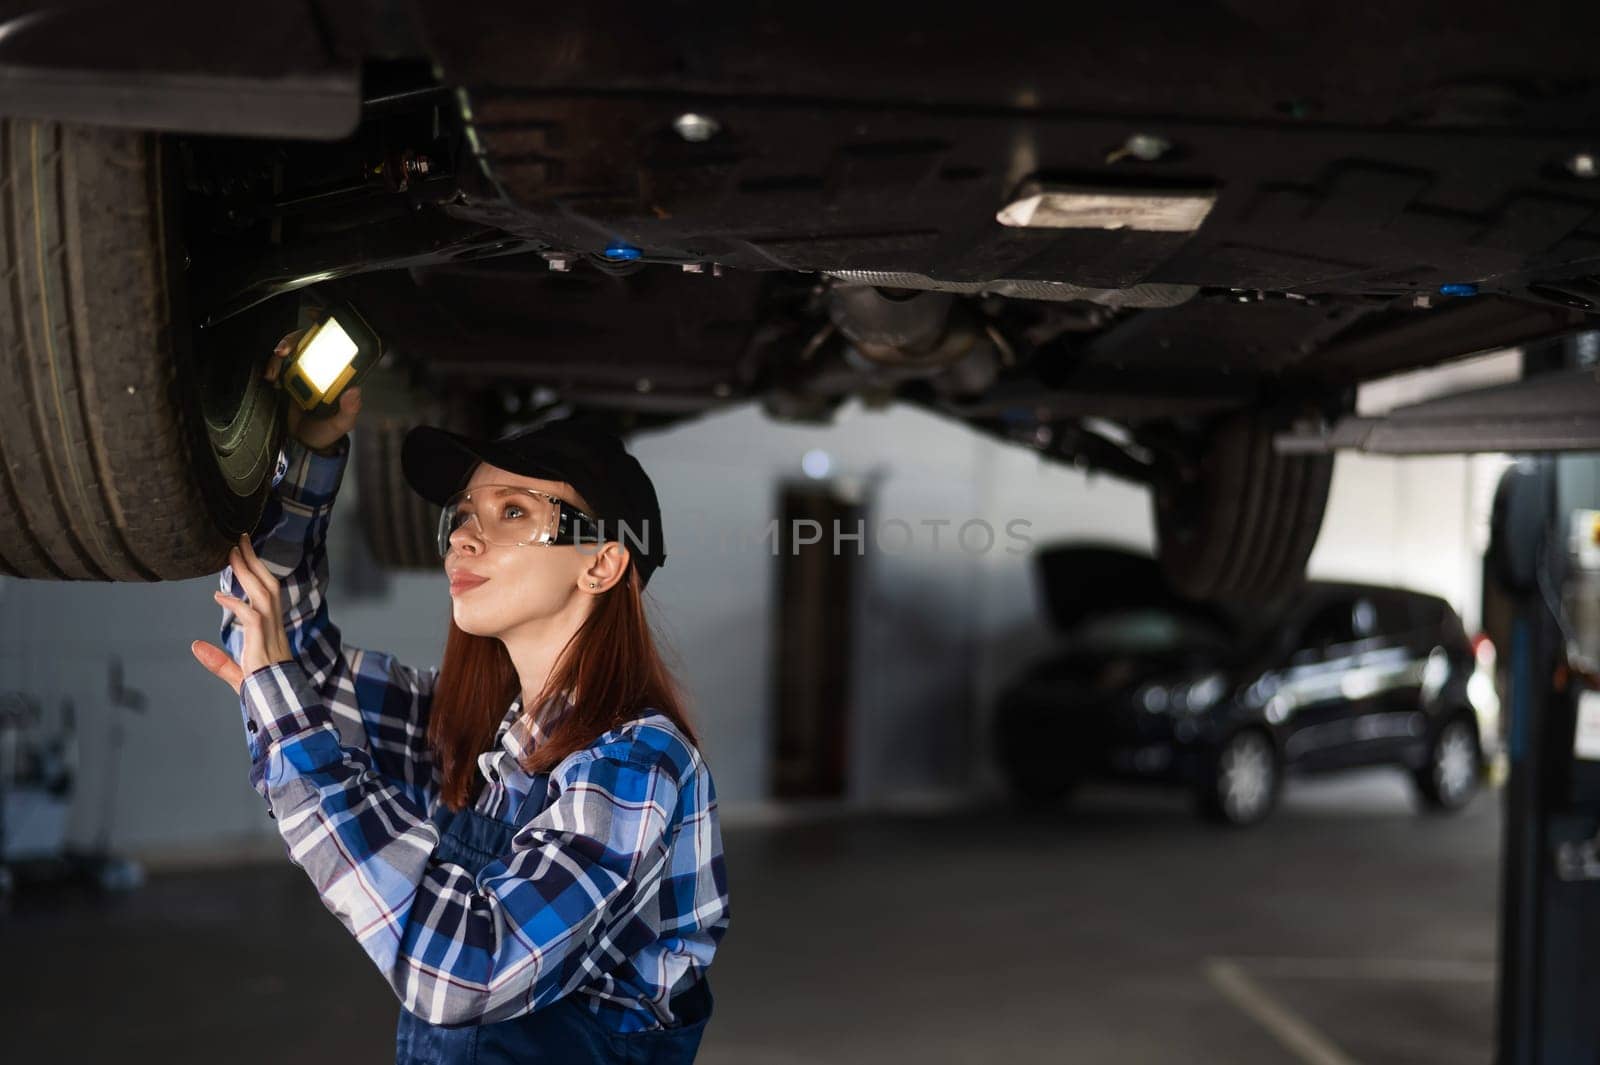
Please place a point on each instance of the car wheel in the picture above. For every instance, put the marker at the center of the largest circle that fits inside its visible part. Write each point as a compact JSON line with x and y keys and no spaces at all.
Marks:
{"x":1241,"y":524}
{"x":1244,"y":780}
{"x":130,"y":453}
{"x":1453,"y":772}
{"x":400,"y":527}
{"x":1034,"y":769}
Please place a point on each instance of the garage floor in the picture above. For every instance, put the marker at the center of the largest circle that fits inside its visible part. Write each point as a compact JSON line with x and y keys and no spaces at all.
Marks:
{"x":1346,"y":930}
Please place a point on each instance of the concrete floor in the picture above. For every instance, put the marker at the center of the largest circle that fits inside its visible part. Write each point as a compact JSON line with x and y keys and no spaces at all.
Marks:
{"x":1348,"y":929}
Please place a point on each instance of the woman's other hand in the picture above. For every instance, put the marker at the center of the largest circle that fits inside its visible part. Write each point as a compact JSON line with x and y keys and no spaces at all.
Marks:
{"x":319,"y":434}
{"x":260,"y":617}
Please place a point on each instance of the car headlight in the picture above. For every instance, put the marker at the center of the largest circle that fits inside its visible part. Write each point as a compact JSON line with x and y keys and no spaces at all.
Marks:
{"x":1204,"y":692}
{"x":1192,"y":697}
{"x":1262,"y":690}
{"x":1154,"y":698}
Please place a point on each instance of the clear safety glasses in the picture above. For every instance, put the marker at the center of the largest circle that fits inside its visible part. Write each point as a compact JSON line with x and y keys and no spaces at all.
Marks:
{"x":513,"y":516}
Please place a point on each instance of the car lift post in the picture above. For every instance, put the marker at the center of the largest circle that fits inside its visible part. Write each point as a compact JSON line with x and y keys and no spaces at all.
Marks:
{"x":1544,"y":559}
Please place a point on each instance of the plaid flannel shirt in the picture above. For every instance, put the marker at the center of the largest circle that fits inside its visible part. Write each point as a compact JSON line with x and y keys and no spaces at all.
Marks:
{"x":613,"y":887}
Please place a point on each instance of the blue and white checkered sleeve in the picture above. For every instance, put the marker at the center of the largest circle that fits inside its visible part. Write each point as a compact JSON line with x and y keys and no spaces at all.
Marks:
{"x":579,"y":891}
{"x":376,"y":701}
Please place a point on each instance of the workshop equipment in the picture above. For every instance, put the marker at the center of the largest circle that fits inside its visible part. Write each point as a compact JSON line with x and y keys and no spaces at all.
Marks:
{"x":39,"y":777}
{"x":1543,"y":568}
{"x":333,"y":355}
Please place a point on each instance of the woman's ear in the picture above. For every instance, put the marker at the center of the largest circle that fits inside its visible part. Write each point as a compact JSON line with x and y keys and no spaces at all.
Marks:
{"x":605,"y":568}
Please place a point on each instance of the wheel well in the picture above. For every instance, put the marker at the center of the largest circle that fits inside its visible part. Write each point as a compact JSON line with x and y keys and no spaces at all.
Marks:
{"x":1255,"y":726}
{"x":1459,"y":712}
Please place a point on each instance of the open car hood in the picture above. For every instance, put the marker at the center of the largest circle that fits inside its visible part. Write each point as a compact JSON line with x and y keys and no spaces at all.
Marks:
{"x":1078,"y":579}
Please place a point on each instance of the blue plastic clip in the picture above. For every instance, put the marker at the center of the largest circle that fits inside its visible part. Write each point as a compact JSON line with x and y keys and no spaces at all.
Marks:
{"x":1458,"y":289}
{"x":623,"y":252}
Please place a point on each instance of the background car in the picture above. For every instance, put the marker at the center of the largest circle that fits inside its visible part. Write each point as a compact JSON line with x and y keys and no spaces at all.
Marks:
{"x":1149,"y":686}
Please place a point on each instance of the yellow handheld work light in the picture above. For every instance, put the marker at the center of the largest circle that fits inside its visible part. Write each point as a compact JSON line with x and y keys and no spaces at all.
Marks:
{"x":332,"y":356}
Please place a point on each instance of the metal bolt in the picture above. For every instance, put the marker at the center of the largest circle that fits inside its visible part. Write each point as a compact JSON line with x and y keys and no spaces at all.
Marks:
{"x":1145,"y":147}
{"x":696,"y":129}
{"x":694,"y":268}
{"x":561,"y":266}
{"x":716,"y":269}
{"x":644,"y":384}
{"x":1584,"y":165}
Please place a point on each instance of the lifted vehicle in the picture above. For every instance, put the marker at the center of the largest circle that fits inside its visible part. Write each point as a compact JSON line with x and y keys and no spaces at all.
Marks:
{"x":1149,"y":686}
{"x":1147,"y":240}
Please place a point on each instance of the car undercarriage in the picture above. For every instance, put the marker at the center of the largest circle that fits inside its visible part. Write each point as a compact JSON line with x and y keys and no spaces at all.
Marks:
{"x":1148,"y":241}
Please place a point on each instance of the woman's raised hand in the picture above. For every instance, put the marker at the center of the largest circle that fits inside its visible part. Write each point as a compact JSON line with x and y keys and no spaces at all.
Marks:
{"x":260,"y":617}
{"x":319,"y":434}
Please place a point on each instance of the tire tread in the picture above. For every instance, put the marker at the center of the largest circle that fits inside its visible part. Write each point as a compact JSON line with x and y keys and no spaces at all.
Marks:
{"x":105,"y":470}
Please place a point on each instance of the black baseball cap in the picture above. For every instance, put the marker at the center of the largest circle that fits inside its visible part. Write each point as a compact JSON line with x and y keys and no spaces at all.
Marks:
{"x":438,"y":463}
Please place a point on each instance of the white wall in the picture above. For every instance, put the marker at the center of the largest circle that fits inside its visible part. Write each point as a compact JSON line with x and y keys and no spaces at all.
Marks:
{"x":940,"y":629}
{"x":1415,"y":522}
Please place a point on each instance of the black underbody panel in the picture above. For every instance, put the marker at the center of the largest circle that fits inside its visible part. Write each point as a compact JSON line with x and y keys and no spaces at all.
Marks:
{"x":1388,"y":188}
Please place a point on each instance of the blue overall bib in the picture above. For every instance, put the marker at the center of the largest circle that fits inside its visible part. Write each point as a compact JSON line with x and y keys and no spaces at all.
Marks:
{"x":564,"y":1031}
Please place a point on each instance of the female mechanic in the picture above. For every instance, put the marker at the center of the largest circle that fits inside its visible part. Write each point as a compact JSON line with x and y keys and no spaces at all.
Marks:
{"x":538,"y":882}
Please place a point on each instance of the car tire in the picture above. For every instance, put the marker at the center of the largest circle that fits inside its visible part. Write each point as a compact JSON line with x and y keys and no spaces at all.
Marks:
{"x":398,"y":524}
{"x":1034,"y":770}
{"x":126,"y":452}
{"x":400,"y":527}
{"x":1242,"y":524}
{"x":1453,"y":770}
{"x":1243,"y":779}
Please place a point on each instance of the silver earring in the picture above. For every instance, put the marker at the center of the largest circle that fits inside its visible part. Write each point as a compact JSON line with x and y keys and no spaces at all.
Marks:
{"x":591,"y":584}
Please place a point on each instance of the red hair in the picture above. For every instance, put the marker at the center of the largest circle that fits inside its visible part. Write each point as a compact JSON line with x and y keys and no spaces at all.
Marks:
{"x":610,"y":664}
